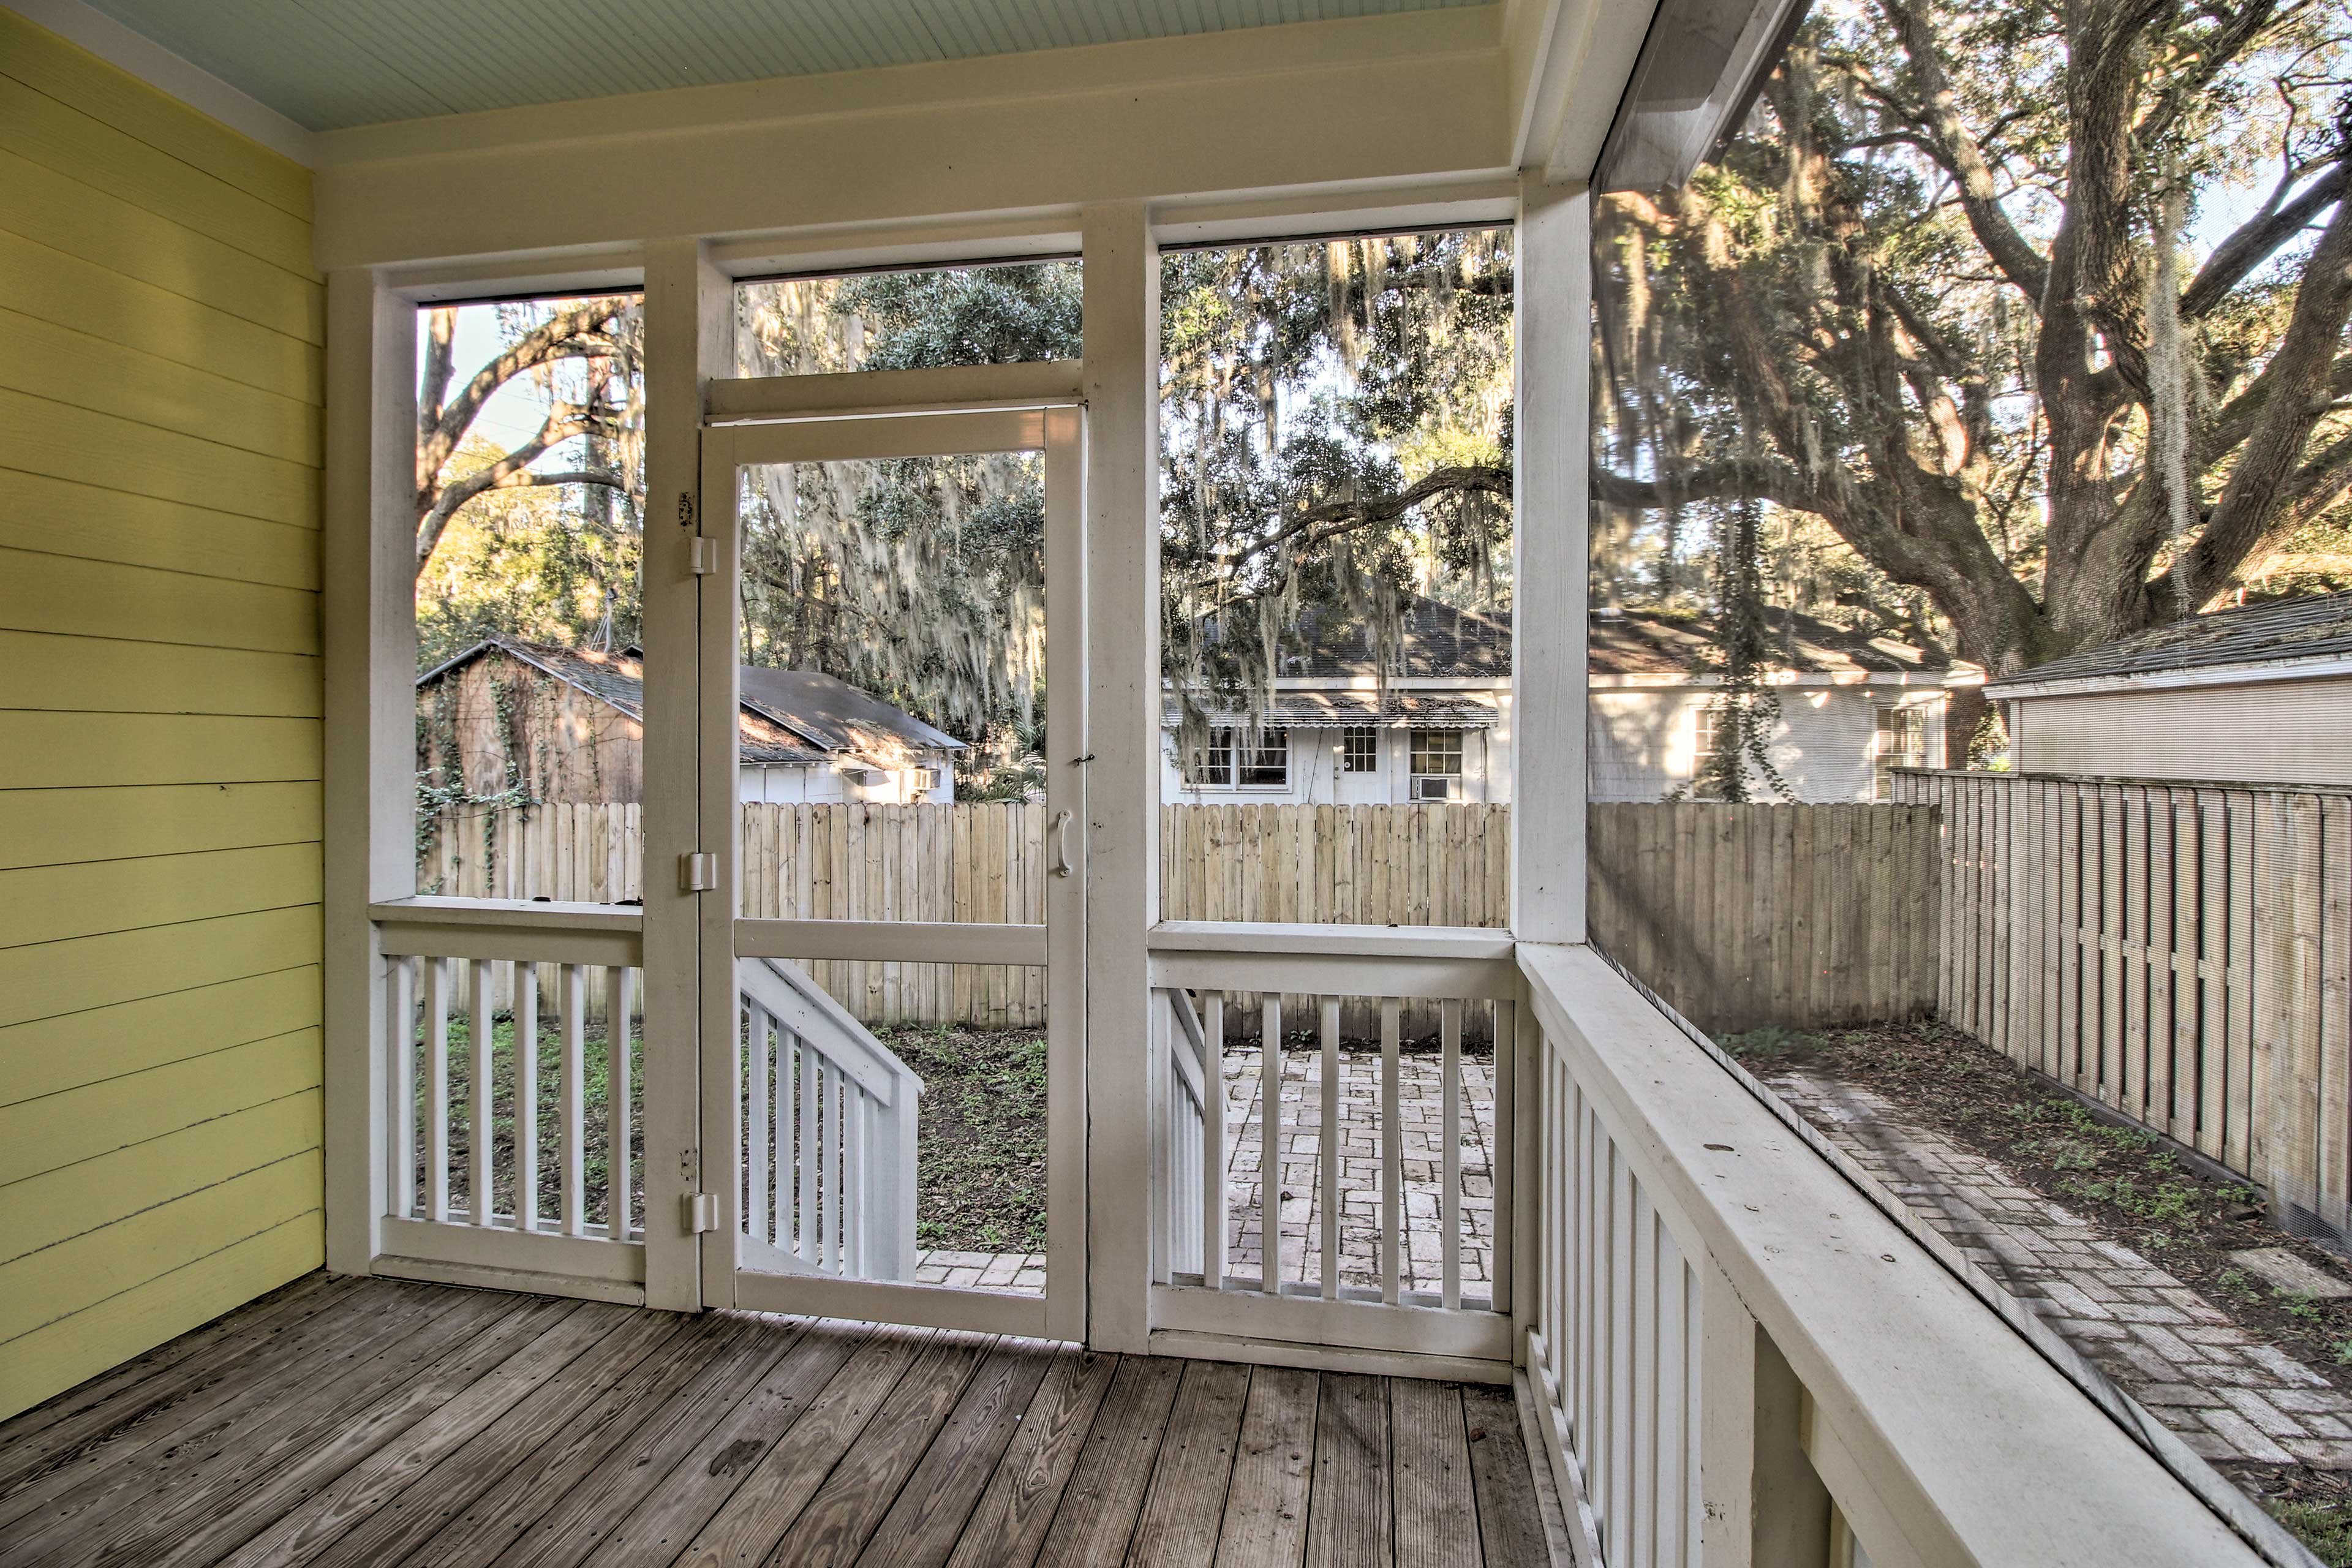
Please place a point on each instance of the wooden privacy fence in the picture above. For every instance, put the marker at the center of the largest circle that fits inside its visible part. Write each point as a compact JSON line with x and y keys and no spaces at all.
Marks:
{"x":2180,"y":952}
{"x":1739,"y":915}
{"x":1803,"y":916}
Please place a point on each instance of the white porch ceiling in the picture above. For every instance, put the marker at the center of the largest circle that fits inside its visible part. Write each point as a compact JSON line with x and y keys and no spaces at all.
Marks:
{"x":332,"y":64}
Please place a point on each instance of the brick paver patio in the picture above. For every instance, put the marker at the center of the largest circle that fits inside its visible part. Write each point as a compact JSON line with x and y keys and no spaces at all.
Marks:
{"x":2229,"y":1396}
{"x":1300,"y":1214}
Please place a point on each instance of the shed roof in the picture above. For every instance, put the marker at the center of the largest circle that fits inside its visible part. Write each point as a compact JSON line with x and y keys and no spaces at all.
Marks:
{"x":832,"y":717}
{"x":2283,"y":629}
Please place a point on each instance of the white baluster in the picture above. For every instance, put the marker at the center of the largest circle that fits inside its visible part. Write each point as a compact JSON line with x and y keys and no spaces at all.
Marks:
{"x":1212,"y":1143}
{"x":1328,"y":1145}
{"x":480,"y":1093}
{"x":856,"y":1189}
{"x":437,"y":1087}
{"x":755,"y":1122}
{"x":400,"y":989}
{"x":779,"y":1174}
{"x":836,"y":1143}
{"x":619,"y":998}
{"x":1392,"y":1151}
{"x":809,"y":1241}
{"x":1450,"y":1195}
{"x":526,"y":1099}
{"x":574,"y":1101}
{"x":1269,"y":1158}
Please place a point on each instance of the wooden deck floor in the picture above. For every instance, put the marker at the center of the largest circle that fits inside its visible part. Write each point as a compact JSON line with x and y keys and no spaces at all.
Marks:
{"x":374,"y":1422}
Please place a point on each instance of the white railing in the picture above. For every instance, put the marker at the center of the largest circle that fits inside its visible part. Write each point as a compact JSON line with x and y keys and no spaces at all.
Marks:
{"x":1731,"y":1343}
{"x":829,"y":1119}
{"x":511,"y":1114}
{"x":1380,"y":1219}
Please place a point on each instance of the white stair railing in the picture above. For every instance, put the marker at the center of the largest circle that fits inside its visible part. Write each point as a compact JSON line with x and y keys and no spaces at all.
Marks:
{"x":1191,"y":1145}
{"x":829,"y":1120}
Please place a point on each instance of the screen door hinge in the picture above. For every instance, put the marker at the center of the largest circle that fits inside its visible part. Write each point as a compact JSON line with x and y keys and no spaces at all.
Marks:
{"x":705,"y":556}
{"x":697,"y":873}
{"x":701,"y":1211}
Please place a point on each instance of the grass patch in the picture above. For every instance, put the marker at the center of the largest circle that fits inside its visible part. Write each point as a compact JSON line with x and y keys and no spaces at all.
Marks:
{"x":980,"y":1146}
{"x":2326,"y":1528}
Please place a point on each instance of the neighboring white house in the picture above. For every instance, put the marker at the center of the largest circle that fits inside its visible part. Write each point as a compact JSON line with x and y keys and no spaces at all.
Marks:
{"x":1853,"y":708}
{"x":567,"y":724}
{"x":2261,"y":694}
{"x":1440,"y":730}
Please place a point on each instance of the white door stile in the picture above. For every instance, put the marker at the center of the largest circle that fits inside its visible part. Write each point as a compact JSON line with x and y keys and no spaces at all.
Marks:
{"x":807,"y":1239}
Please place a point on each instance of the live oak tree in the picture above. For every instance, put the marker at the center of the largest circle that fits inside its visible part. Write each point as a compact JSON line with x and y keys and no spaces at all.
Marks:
{"x":584,"y":359}
{"x":1938,"y":297}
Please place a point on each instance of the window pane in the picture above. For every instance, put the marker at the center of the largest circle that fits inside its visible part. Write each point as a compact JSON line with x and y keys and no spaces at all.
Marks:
{"x":531,"y":679}
{"x":1336,"y":563}
{"x":1006,"y":314}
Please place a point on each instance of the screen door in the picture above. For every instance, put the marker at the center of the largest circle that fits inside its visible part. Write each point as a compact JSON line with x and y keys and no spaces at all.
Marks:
{"x":892,"y":743}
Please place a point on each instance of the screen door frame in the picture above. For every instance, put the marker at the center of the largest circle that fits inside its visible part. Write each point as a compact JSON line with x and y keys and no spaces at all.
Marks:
{"x":1057,"y":431}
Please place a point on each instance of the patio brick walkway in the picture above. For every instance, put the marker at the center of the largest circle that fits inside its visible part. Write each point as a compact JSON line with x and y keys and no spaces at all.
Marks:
{"x":1300,"y":1215}
{"x":2229,"y":1396}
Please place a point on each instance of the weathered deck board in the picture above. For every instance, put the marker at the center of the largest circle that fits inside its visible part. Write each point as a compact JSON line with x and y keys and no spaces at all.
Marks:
{"x":381,"y":1423}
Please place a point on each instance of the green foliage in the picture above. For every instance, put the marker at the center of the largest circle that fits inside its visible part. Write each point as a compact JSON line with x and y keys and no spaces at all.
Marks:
{"x":2324,"y":1528}
{"x":1770,"y":1040}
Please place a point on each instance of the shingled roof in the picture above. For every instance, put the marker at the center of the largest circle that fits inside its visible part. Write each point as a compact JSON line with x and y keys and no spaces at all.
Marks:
{"x":1630,"y":643}
{"x":1437,"y":640}
{"x":2282,"y":630}
{"x":792,"y":717}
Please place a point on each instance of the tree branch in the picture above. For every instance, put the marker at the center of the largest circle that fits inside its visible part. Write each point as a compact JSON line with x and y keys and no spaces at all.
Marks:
{"x":2256,"y":240}
{"x":1317,"y":523}
{"x":570,"y":333}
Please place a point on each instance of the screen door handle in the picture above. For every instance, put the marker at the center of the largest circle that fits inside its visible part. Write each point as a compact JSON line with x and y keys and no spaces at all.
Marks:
{"x":1061,"y":844}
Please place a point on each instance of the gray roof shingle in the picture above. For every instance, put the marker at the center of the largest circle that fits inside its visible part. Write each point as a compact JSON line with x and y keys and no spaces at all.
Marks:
{"x":831,"y":715}
{"x":2251,"y":633}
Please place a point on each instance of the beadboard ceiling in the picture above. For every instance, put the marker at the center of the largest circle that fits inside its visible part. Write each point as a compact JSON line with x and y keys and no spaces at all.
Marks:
{"x":330,"y":64}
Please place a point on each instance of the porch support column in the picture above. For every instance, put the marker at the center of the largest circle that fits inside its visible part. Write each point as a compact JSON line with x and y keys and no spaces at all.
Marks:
{"x":685,"y":934}
{"x":369,"y":639}
{"x":1550,"y":501}
{"x":1122,"y":526}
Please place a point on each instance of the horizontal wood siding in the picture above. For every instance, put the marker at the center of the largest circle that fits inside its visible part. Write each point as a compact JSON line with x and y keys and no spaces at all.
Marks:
{"x":2180,"y":952}
{"x":159,"y":695}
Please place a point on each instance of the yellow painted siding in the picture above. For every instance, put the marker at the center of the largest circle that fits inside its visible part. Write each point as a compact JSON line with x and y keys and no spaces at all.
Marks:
{"x":160,"y":718}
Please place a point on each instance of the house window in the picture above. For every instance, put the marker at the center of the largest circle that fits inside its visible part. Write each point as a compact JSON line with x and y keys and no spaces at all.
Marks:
{"x":1710,"y":739}
{"x":1900,"y":742}
{"x":1231,"y":762}
{"x":1437,"y":752}
{"x":1436,"y":764}
{"x":1359,"y":749}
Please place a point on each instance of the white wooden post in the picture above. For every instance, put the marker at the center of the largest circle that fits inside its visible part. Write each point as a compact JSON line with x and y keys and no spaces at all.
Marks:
{"x":369,"y":639}
{"x":1553,"y":306}
{"x":687,"y":313}
{"x":1122,"y":685}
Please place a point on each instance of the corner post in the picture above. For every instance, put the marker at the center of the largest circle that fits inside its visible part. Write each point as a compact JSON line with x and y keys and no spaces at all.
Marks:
{"x":687,"y":936}
{"x":369,"y":639}
{"x":1549,"y":567}
{"x":1122,"y":643}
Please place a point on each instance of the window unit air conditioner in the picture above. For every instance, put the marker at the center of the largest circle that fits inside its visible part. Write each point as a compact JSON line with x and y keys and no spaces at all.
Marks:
{"x":1434,"y":787}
